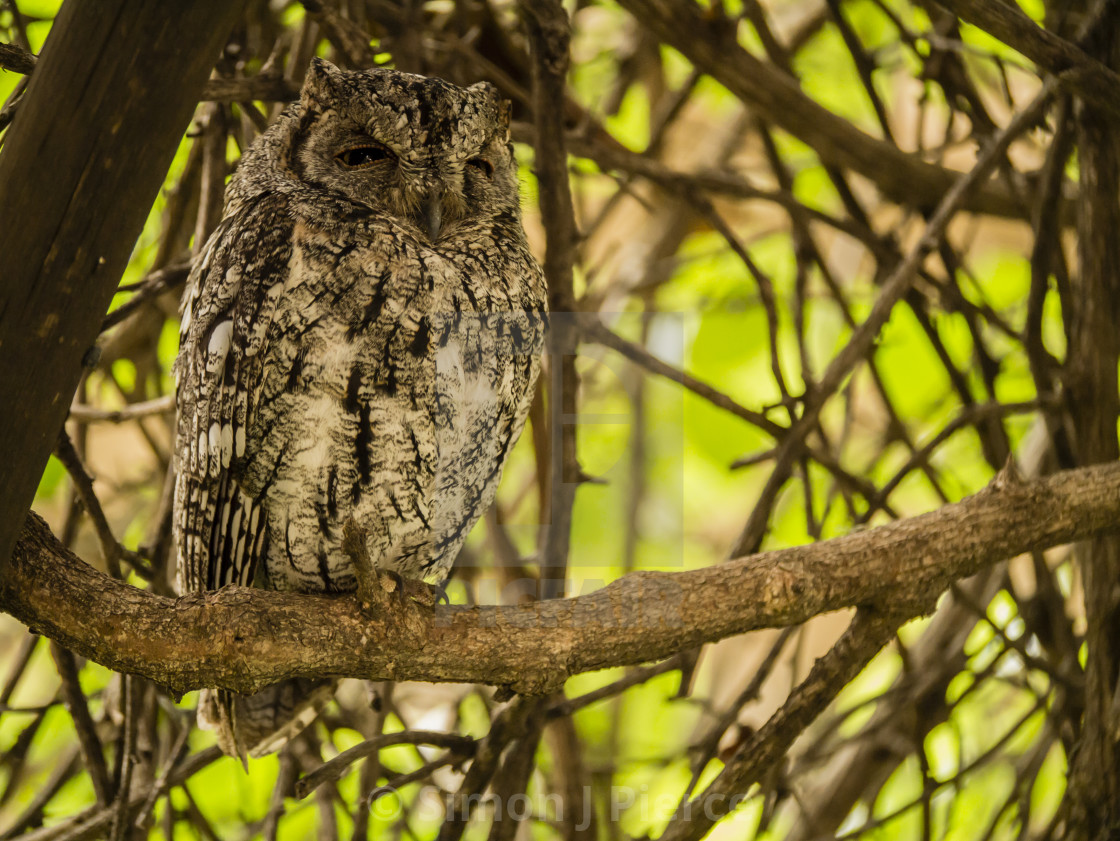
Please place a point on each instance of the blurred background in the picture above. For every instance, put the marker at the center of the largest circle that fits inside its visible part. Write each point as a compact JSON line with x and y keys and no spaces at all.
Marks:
{"x":740,"y":201}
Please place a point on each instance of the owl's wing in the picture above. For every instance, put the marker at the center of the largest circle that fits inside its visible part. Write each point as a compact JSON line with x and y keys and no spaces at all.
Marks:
{"x":232,"y":295}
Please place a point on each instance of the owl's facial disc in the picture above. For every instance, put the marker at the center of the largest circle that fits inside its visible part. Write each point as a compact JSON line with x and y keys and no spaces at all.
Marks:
{"x":431,"y":155}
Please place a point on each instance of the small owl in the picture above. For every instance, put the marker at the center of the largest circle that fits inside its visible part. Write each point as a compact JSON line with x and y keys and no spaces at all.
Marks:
{"x":360,"y":339}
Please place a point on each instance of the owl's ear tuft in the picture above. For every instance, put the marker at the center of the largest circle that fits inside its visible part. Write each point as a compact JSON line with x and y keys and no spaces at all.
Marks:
{"x":501,"y":105}
{"x":320,"y":83}
{"x":489,"y":92}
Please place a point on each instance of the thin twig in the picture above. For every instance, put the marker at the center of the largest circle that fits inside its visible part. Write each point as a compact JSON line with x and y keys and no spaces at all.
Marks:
{"x":94,"y":823}
{"x":339,"y":765}
{"x":151,"y":287}
{"x":507,"y":726}
{"x":92,"y":414}
{"x":894,"y":288}
{"x":163,"y":781}
{"x":111,"y":550}
{"x":19,"y":665}
{"x":866,"y":635}
{"x":93,"y":755}
{"x":635,"y":677}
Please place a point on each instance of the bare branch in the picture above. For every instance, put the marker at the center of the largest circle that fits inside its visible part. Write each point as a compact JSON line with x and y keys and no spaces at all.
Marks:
{"x":269,"y":88}
{"x":868,"y":633}
{"x":94,"y":823}
{"x":1077,"y":71}
{"x":549,"y":36}
{"x":711,"y":44}
{"x":337,"y":767}
{"x":894,"y":288}
{"x":134,"y":411}
{"x":244,"y":639}
{"x":92,"y":754}
{"x":16,"y":58}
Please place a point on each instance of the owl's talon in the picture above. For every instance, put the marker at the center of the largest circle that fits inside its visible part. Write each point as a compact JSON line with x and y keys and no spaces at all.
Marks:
{"x":421,"y":592}
{"x":390,"y":581}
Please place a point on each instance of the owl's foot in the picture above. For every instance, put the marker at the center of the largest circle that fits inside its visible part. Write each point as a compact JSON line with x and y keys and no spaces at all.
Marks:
{"x":390,"y":581}
{"x":426,"y":594}
{"x":376,"y":586}
{"x":411,"y":589}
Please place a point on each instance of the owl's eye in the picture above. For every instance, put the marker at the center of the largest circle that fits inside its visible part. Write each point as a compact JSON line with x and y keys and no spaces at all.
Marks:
{"x":482,"y":165}
{"x":363,"y":156}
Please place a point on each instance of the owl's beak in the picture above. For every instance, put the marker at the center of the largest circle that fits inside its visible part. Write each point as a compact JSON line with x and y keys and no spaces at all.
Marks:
{"x":433,"y":214}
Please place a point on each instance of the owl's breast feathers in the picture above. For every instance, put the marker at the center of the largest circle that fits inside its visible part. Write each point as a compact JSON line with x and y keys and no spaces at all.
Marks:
{"x":362,"y":374}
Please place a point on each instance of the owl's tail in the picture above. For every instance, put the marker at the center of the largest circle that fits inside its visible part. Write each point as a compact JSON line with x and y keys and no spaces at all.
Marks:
{"x":255,"y":725}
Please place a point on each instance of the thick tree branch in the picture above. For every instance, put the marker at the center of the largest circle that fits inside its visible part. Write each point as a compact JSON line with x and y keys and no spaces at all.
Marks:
{"x":1093,"y":798}
{"x":244,"y":639}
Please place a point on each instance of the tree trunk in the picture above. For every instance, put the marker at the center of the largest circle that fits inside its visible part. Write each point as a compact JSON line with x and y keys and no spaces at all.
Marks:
{"x":1094,"y":353}
{"x":105,"y":109}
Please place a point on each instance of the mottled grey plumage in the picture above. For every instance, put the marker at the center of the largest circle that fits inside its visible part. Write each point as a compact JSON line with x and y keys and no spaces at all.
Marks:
{"x":360,"y":338}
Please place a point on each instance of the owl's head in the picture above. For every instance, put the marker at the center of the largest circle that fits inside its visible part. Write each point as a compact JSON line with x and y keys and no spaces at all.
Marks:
{"x":434,"y":156}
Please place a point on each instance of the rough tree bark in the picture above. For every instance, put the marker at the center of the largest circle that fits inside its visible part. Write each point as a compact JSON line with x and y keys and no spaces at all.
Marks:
{"x":107,"y":104}
{"x":244,"y":639}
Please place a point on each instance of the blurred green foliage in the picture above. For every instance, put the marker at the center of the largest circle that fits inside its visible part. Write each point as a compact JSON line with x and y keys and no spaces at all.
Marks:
{"x":709,"y":321}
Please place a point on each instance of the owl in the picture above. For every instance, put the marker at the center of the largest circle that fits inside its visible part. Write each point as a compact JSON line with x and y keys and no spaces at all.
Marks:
{"x":360,"y":340}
